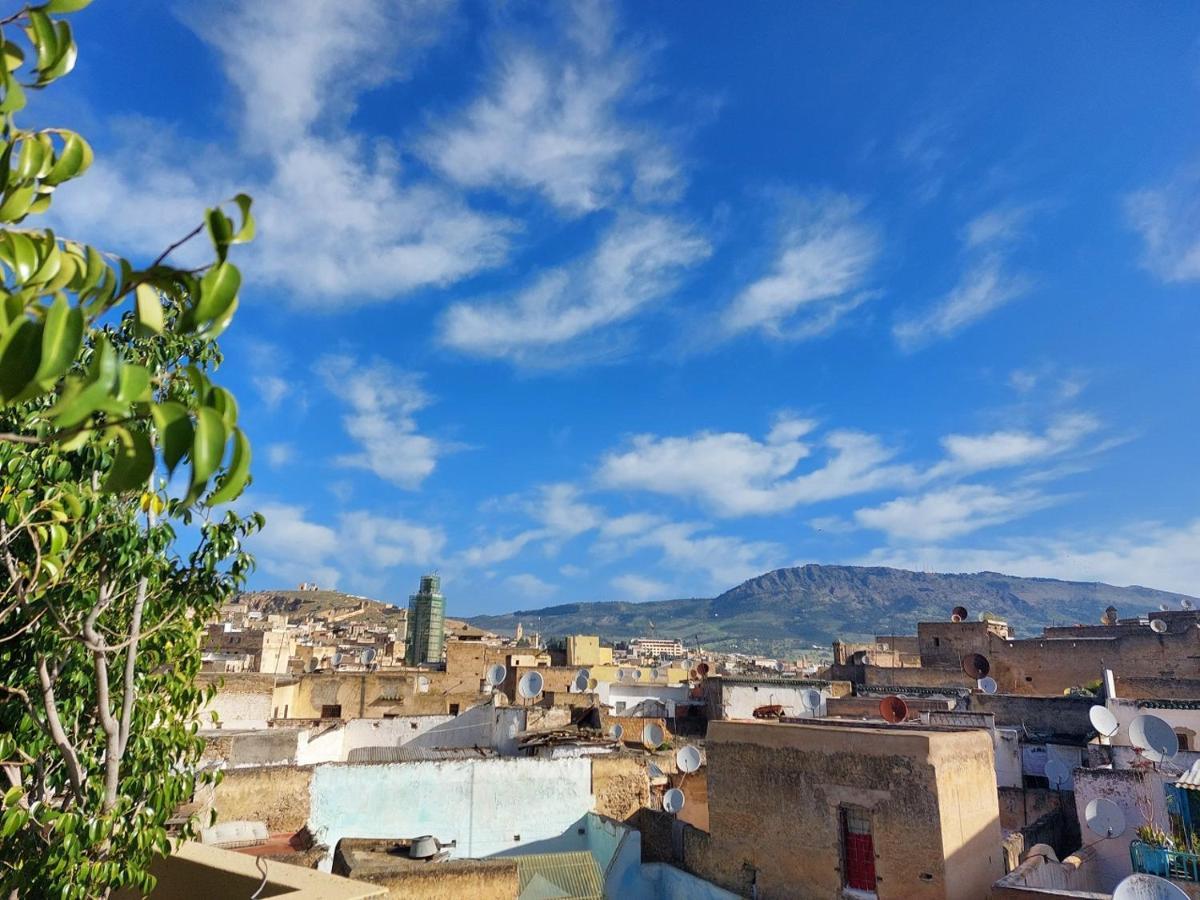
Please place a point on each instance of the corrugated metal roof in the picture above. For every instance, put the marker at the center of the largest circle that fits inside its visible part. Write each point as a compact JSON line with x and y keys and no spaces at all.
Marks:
{"x":559,"y":876}
{"x":1191,"y":778}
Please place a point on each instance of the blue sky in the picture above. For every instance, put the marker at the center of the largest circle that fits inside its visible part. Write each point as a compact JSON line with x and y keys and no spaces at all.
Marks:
{"x":636,"y":301}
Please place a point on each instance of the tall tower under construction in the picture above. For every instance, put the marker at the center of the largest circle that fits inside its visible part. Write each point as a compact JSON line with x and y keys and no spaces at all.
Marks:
{"x":426,"y":623}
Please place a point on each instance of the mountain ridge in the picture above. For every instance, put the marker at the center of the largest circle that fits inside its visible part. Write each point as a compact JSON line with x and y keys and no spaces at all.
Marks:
{"x":815,"y":604}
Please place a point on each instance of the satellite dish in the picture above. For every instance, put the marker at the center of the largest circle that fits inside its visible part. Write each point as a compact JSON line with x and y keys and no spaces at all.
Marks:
{"x":622,"y":674}
{"x":615,"y":732}
{"x":496,"y":673}
{"x":1105,"y":818}
{"x":1163,"y":607}
{"x":579,"y":683}
{"x":988,"y":685}
{"x":653,"y":736}
{"x":893,"y":709}
{"x":337,"y":659}
{"x":585,"y":673}
{"x":1147,"y":887}
{"x":673,"y":800}
{"x":593,"y":684}
{"x":655,"y":673}
{"x":1057,"y":773}
{"x":688,"y":759}
{"x":1154,"y":737}
{"x":1103,"y":720}
{"x":958,"y":614}
{"x":810,"y":699}
{"x":367,"y":656}
{"x":311,"y":664}
{"x":693,"y":675}
{"x":866,"y":659}
{"x":1158,"y":626}
{"x":530,"y":685}
{"x":976,"y":665}
{"x":637,"y":674}
{"x":702,"y":669}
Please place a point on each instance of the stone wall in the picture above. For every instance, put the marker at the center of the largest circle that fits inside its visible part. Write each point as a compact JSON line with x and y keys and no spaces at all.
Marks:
{"x":277,"y":795}
{"x":620,"y":786}
{"x":1062,"y":715}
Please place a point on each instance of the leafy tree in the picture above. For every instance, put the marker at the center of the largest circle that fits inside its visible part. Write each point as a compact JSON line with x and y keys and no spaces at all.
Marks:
{"x":105,"y":395}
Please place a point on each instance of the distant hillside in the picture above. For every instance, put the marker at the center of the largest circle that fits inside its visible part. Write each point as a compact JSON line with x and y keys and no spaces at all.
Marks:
{"x":299,"y":604}
{"x":808,"y":605}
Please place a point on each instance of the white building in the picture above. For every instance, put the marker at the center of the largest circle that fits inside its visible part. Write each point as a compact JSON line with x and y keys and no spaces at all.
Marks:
{"x":659,"y":648}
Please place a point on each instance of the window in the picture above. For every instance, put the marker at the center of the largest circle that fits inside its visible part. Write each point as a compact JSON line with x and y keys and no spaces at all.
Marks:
{"x":454,"y":709}
{"x":1185,"y":736}
{"x":331,"y":711}
{"x":937,"y":642}
{"x":858,"y":849}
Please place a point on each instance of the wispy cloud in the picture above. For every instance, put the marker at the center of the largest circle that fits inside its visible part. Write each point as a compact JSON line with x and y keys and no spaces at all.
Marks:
{"x":1168,"y":220}
{"x":821,"y":262}
{"x":381,"y":403}
{"x":639,"y":587}
{"x":949,"y":512}
{"x":553,"y":121}
{"x":638,"y":262}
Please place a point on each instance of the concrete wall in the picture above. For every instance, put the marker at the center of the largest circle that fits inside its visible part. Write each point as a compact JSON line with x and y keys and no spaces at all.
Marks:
{"x":277,"y":795}
{"x":490,"y":806}
{"x":1055,"y":715}
{"x":1130,"y":789}
{"x":664,"y":697}
{"x":242,"y":700}
{"x":1185,"y":722}
{"x":1038,"y":878}
{"x":775,"y":788}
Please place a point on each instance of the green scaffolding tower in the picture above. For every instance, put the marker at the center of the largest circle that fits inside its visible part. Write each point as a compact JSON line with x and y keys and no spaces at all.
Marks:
{"x":426,"y":623}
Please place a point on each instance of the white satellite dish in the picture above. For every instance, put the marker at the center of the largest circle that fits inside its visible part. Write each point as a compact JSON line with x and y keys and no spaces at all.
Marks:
{"x":655,"y":673}
{"x":810,"y":699}
{"x":1163,"y":607}
{"x":367,"y":656}
{"x":422,"y":684}
{"x":579,"y":683}
{"x":673,"y":800}
{"x":530,"y":685}
{"x":1147,"y":887}
{"x":1105,"y":818}
{"x":637,"y":674}
{"x":1186,"y":604}
{"x":1057,"y":773}
{"x":1157,"y":741}
{"x":988,"y":685}
{"x":653,"y":736}
{"x":615,"y":732}
{"x":1158,"y":626}
{"x":622,"y":674}
{"x":687,"y":758}
{"x":311,"y":664}
{"x":337,"y":659}
{"x":1103,"y":720}
{"x":496,"y":673}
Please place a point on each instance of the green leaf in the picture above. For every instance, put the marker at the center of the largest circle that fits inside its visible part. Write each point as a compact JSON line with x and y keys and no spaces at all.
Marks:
{"x":13,"y":55}
{"x":61,"y":339}
{"x":234,"y":481}
{"x":132,"y":464}
{"x":23,"y":256}
{"x":218,"y":288}
{"x":66,"y":6}
{"x":72,"y":162}
{"x":134,"y":384}
{"x":224,"y":403}
{"x":16,"y":204}
{"x":149,"y":309}
{"x":19,"y":357}
{"x":174,"y":429}
{"x":220,"y":229}
{"x":29,"y":160}
{"x":246,"y":232}
{"x":14,"y":94}
{"x":44,"y":38}
{"x":208,"y":445}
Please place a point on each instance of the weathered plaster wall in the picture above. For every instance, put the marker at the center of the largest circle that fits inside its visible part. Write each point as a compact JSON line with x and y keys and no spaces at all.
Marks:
{"x":489,"y":805}
{"x":242,"y":700}
{"x":1125,"y":787}
{"x":775,"y":787}
{"x":277,"y":795}
{"x":620,"y":786}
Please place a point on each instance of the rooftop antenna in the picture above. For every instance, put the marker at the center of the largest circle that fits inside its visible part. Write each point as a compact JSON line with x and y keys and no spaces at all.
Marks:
{"x":579,"y":683}
{"x":810,"y":700}
{"x":958,"y":614}
{"x":495,"y":674}
{"x":337,"y":659}
{"x":367,"y":656}
{"x":530,"y":685}
{"x":1163,"y":607}
{"x":893,"y":709}
{"x":988,"y":685}
{"x":976,"y":665}
{"x":1105,"y":818}
{"x":653,"y":736}
{"x":688,"y":759}
{"x":673,"y":801}
{"x":1103,"y":721}
{"x":1186,"y":604}
{"x":1158,"y":626}
{"x":1057,"y":774}
{"x":1156,"y":739}
{"x":1147,"y":887}
{"x":616,"y":732}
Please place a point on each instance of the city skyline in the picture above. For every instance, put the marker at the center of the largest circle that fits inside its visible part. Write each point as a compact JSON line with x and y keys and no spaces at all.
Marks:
{"x":594,"y":304}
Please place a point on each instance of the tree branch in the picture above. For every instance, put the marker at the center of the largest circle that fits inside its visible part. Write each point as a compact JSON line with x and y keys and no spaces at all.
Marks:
{"x":74,"y":769}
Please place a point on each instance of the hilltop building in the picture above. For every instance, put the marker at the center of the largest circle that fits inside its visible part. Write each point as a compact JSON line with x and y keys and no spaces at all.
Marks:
{"x":426,"y":640}
{"x":658,"y":648}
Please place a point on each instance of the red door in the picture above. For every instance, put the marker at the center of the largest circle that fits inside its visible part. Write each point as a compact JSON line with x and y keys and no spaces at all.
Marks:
{"x":858,"y":850}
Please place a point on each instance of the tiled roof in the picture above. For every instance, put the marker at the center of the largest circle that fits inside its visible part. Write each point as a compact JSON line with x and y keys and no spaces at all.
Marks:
{"x":770,"y":679}
{"x":881,"y":690}
{"x":1168,"y":704}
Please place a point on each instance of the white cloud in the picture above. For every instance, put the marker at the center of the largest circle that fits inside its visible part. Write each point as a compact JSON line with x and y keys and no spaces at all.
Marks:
{"x":984,"y":287}
{"x":551,"y":121}
{"x":1003,"y":449}
{"x":637,"y":262}
{"x":271,"y":389}
{"x":293,"y":548}
{"x":823,"y":258}
{"x":536,"y":588}
{"x":736,"y":475}
{"x":1149,"y":554}
{"x":640,"y":588}
{"x":949,"y":512}
{"x":1168,"y":220}
{"x":340,"y":223}
{"x":689,"y":548}
{"x":280,"y":454}
{"x":381,"y":403}
{"x":996,"y":226}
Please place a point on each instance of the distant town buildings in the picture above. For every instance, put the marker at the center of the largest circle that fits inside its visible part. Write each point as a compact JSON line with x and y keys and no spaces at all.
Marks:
{"x":426,"y":623}
{"x":657,"y":648}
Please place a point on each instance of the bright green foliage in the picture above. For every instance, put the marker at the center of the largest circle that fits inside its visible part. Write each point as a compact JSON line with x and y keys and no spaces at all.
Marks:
{"x":105,"y":395}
